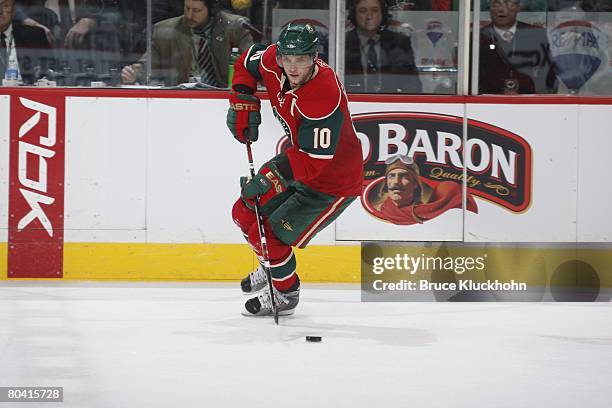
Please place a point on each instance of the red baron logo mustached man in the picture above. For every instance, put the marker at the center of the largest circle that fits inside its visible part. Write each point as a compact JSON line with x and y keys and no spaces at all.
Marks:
{"x":498,"y":165}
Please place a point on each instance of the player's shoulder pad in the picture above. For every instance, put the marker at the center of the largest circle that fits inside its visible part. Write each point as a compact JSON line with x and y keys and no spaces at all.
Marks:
{"x":268,"y":60}
{"x":321,"y":98}
{"x":253,"y":59}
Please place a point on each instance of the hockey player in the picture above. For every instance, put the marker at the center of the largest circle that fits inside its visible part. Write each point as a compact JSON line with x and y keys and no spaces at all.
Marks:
{"x":304,"y":189}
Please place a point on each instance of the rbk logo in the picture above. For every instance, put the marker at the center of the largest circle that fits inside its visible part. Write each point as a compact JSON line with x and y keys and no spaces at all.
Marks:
{"x":34,"y":191}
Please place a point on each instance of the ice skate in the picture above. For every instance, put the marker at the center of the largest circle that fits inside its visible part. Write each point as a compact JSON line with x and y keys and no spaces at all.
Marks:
{"x":261,"y":305}
{"x":255,"y":281}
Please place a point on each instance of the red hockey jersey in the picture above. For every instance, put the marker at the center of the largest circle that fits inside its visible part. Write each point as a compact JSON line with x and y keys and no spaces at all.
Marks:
{"x":325,"y":153}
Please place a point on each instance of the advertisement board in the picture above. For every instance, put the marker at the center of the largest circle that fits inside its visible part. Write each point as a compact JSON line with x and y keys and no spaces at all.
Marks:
{"x":422,"y":133}
{"x":36,"y":192}
{"x":143,"y":186}
{"x":549,"y":132}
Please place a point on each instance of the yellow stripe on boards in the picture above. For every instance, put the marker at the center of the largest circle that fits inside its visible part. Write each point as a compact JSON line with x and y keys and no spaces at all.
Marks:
{"x":329,"y":264}
{"x":151,"y":262}
{"x":3,"y":260}
{"x":231,"y":262}
{"x":155,"y":262}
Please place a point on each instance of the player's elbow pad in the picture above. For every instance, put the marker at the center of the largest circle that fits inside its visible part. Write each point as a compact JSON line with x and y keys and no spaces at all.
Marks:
{"x":244,"y":89}
{"x":283,"y":165}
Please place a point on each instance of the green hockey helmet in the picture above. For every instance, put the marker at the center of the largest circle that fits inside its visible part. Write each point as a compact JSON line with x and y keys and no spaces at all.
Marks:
{"x":298,"y":39}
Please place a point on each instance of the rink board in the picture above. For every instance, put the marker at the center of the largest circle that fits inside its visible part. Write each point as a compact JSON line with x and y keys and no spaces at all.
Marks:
{"x":147,"y":180}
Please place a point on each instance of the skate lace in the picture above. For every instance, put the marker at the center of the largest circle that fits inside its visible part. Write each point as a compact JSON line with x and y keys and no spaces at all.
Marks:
{"x":266,"y":301}
{"x":258,"y":276}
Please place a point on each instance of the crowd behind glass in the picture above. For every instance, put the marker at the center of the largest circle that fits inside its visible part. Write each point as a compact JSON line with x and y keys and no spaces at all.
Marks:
{"x":390,"y":46}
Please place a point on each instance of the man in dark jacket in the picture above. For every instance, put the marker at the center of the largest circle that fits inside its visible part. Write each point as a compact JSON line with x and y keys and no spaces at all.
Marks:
{"x":377,"y":59}
{"x":197,"y":44}
{"x":514,"y":56}
{"x":26,"y":45}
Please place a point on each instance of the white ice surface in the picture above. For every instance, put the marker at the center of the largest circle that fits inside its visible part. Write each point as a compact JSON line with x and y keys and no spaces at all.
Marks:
{"x":185,"y":345}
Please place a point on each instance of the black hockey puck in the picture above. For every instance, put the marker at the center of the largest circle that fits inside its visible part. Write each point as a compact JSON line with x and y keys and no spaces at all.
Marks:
{"x":313,"y":338}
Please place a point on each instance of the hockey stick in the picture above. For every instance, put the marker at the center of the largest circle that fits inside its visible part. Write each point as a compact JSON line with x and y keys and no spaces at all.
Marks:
{"x":262,"y":236}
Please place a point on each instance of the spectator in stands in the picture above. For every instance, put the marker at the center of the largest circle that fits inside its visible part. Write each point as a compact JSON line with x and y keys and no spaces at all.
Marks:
{"x":88,"y":17}
{"x":197,"y":44}
{"x":104,"y":24}
{"x":79,"y":19}
{"x":377,"y":59}
{"x":34,"y":13}
{"x":21,"y":43}
{"x":95,"y":38}
{"x":514,"y":56}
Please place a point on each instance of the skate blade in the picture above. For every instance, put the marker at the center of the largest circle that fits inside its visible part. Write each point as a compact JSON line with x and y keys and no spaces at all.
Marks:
{"x":269,"y":314}
{"x":252,"y":292}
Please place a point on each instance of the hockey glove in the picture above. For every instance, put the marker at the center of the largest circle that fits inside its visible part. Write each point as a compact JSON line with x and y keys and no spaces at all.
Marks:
{"x":243,"y":117}
{"x":269,"y":184}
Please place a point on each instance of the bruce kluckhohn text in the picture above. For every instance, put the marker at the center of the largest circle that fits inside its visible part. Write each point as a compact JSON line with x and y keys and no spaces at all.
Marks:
{"x":465,"y":284}
{"x":412,"y":265}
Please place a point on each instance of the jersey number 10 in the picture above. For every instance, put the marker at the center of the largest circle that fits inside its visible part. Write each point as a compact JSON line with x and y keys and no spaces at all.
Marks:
{"x":322,"y":138}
